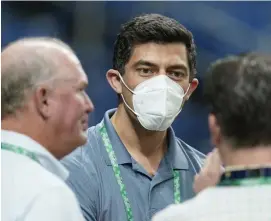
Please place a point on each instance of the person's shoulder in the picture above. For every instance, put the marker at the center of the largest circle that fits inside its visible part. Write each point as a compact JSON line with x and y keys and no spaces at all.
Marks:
{"x":25,"y":170}
{"x":190,"y":149}
{"x":43,"y":178}
{"x":185,"y":210}
{"x":60,"y":192}
{"x":174,"y":212}
{"x":191,"y":153}
{"x":24,"y":178}
{"x":215,"y":201}
{"x":88,"y":160}
{"x":54,"y":203}
{"x":87,"y":153}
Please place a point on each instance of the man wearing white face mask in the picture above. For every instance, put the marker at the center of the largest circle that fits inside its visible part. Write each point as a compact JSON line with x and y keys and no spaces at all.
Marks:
{"x":152,"y":113}
{"x":133,"y":165}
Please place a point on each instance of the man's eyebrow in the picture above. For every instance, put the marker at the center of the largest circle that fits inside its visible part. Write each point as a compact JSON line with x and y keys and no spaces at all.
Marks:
{"x":151,"y":64}
{"x":145,"y":63}
{"x":178,"y":66}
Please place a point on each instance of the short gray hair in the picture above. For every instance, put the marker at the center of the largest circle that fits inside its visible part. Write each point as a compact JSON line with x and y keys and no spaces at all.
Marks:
{"x":24,"y":70}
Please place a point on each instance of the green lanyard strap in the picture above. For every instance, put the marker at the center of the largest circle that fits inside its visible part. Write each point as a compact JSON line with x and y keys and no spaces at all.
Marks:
{"x":117,"y":173}
{"x":246,"y":182}
{"x":246,"y":177}
{"x":177,"y":186}
{"x":19,"y":150}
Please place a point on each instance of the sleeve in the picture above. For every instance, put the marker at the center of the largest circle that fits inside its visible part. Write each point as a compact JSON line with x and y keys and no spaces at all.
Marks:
{"x":54,"y":204}
{"x":84,"y":184}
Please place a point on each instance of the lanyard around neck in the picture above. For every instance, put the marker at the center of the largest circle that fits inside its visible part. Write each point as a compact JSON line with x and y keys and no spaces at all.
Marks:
{"x":117,"y":173}
{"x":246,"y":177}
{"x":19,"y":150}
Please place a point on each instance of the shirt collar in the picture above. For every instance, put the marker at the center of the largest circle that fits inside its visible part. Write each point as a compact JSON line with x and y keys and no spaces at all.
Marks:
{"x":123,"y":156}
{"x":46,"y":159}
{"x":174,"y":156}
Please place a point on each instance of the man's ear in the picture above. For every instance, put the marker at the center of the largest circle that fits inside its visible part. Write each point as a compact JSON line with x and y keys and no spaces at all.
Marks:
{"x":215,"y":130}
{"x":42,"y":101}
{"x":193,"y":85}
{"x":113,"y":79}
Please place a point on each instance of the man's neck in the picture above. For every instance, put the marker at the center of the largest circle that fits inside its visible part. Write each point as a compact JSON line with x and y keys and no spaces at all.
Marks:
{"x":18,"y":124}
{"x":247,"y":157}
{"x":139,"y":142}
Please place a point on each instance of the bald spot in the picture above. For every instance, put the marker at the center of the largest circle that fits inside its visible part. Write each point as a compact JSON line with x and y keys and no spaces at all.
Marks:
{"x":24,"y":52}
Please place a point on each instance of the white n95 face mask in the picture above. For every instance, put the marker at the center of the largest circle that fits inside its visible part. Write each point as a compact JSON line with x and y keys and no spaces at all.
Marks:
{"x":157,"y":102}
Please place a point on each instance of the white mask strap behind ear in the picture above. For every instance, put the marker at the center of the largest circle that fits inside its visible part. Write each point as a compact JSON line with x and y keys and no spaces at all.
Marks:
{"x":125,"y":84}
{"x":128,"y":105}
{"x":187,"y":90}
{"x":123,"y":96}
{"x":182,"y":104}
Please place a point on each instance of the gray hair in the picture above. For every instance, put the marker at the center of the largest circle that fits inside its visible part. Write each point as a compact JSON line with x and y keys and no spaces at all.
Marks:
{"x":23,"y":68}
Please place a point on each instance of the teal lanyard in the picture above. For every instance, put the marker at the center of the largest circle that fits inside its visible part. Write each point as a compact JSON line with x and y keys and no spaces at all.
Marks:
{"x":247,"y":182}
{"x":19,"y":150}
{"x":116,"y":169}
{"x":246,"y":177}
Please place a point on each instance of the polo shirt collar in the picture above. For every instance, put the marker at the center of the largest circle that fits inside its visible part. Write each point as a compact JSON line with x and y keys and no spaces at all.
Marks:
{"x":174,"y":156}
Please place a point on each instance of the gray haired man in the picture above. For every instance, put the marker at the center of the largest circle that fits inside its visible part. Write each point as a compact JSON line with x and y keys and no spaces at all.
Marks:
{"x":44,"y":117}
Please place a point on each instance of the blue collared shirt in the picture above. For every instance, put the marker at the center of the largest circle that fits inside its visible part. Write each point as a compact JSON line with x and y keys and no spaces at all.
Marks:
{"x":93,"y":181}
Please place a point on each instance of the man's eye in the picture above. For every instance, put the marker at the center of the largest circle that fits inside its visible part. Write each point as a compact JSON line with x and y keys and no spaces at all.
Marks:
{"x":82,"y":89}
{"x":177,"y":75}
{"x":145,"y":71}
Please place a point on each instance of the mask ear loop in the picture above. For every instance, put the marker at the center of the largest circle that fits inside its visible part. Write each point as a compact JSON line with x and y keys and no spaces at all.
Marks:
{"x":182,"y":104}
{"x":125,"y":84}
{"x":123,"y":97}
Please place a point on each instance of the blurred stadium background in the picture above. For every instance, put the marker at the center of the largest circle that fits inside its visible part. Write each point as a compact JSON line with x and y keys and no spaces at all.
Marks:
{"x":219,"y":28}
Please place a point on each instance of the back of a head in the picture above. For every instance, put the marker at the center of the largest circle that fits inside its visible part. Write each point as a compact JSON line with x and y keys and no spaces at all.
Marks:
{"x":26,"y":63}
{"x":152,"y":28}
{"x":238,"y":92}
